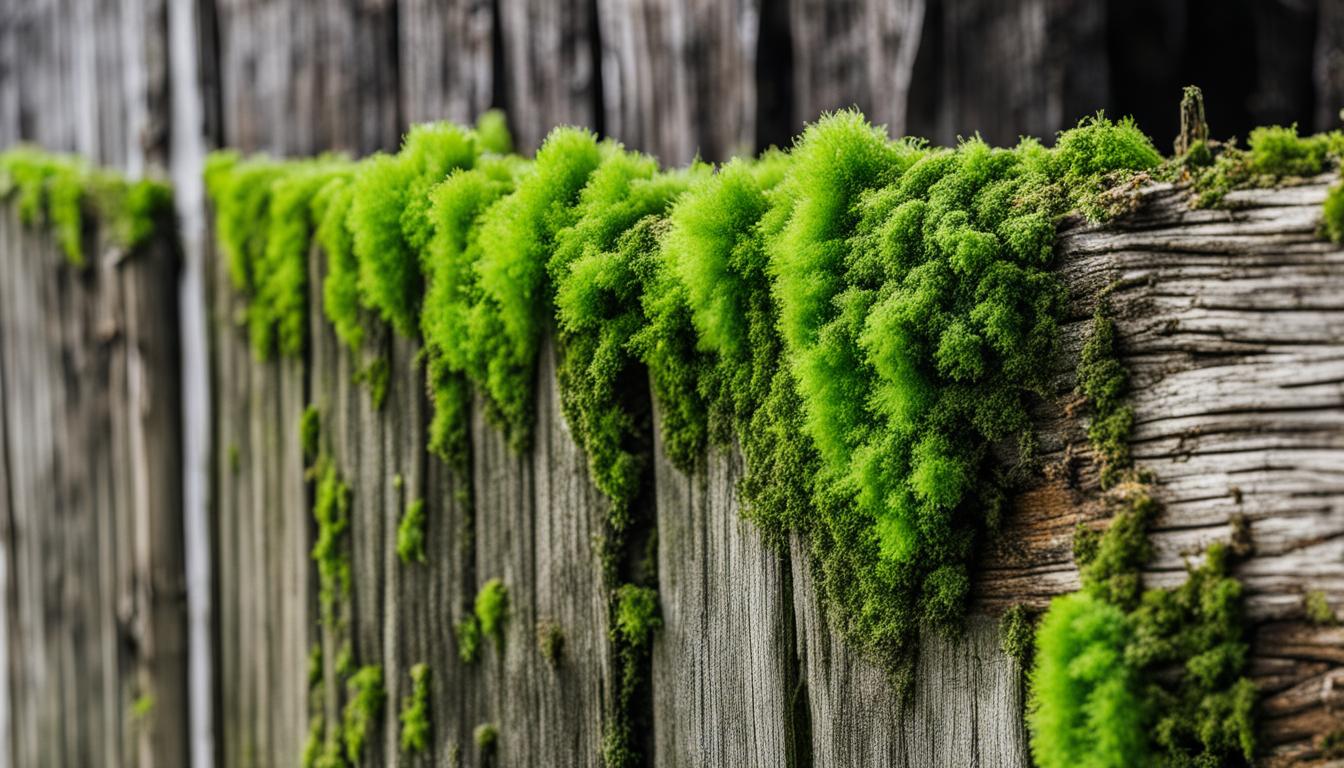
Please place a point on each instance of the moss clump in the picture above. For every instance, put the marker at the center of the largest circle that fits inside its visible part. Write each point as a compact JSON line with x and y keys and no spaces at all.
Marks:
{"x":492,"y":608}
{"x":331,"y":510}
{"x":1017,"y":635}
{"x":492,"y":131}
{"x":1332,"y":214}
{"x":388,"y":217}
{"x":340,"y":288}
{"x":1274,"y":153}
{"x":1317,"y":609}
{"x":414,"y":715}
{"x":1104,"y":382}
{"x":1087,"y":706}
{"x":362,"y":710}
{"x":60,"y":191}
{"x":1201,"y":716}
{"x":550,"y":642}
{"x":634,"y":619}
{"x":454,"y":310}
{"x":516,"y":237}
{"x":597,"y":271}
{"x":486,"y":737}
{"x":265,"y":223}
{"x":468,"y":634}
{"x":310,"y":432}
{"x":411,"y":533}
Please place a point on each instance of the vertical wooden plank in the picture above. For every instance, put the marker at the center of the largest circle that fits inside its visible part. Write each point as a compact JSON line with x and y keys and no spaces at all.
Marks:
{"x":550,"y":66}
{"x":679,"y":78}
{"x":724,"y":672}
{"x":447,"y":55}
{"x":854,"y":53}
{"x":298,"y":78}
{"x":150,"y":289}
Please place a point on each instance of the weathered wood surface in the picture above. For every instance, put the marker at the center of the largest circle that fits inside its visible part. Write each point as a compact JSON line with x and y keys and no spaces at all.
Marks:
{"x":94,"y":598}
{"x":1232,"y":323}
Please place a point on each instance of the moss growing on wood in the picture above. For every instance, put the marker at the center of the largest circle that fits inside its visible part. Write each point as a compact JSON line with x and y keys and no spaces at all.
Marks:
{"x":550,"y":642}
{"x":634,"y":620}
{"x":362,"y":710}
{"x":1317,"y":609}
{"x":486,"y":737}
{"x":310,"y":432}
{"x":414,"y":715}
{"x":467,"y":631}
{"x":492,"y":609}
{"x":1017,"y":632}
{"x":331,"y":510}
{"x":516,"y":239}
{"x":411,"y":533}
{"x":61,"y":191}
{"x":1104,"y":382}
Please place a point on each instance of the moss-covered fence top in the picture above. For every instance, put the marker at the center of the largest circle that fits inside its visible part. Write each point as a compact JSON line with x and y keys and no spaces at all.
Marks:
{"x":865,"y":316}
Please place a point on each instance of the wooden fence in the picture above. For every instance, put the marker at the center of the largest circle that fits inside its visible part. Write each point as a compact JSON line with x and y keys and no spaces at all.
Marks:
{"x":90,"y":503}
{"x":1236,"y":402}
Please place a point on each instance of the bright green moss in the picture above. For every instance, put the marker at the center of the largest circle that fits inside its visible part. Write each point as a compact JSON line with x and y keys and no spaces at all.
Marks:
{"x":1087,"y":707}
{"x":331,"y":510}
{"x":265,"y":224}
{"x":454,"y":310}
{"x":636,"y":616}
{"x":596,"y":272}
{"x":492,"y":132}
{"x":468,"y":635}
{"x":1332,"y":213}
{"x":362,"y":710}
{"x":59,"y":191}
{"x":340,"y":289}
{"x":1274,"y":153}
{"x":492,"y":607}
{"x":411,"y":533}
{"x":515,"y":240}
{"x":310,"y":432}
{"x":1203,"y":715}
{"x":414,"y":715}
{"x":388,"y":217}
{"x":1317,"y":609}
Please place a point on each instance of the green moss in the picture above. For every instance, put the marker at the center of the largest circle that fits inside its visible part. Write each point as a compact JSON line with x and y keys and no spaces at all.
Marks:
{"x":1317,"y":609}
{"x":467,"y":631}
{"x":486,"y":736}
{"x":1102,"y":379}
{"x":598,"y":269}
{"x":414,"y":715}
{"x":388,"y":217}
{"x":1087,"y":706}
{"x":411,"y":533}
{"x":375,"y":374}
{"x":331,"y":510}
{"x":235,"y":458}
{"x":60,"y":191}
{"x":492,"y":132}
{"x":310,"y":432}
{"x":1017,"y":635}
{"x":634,"y":619}
{"x":362,"y":710}
{"x":492,"y":608}
{"x":1332,"y":213}
{"x":550,"y":642}
{"x":340,"y":288}
{"x":1274,"y":154}
{"x":515,"y":240}
{"x":455,"y":310}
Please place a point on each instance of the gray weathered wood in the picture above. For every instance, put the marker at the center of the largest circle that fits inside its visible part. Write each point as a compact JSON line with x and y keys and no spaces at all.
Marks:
{"x":95,"y":600}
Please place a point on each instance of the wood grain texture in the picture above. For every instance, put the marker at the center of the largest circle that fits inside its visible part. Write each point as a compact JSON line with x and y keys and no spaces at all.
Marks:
{"x":679,"y":78}
{"x":447,"y":54}
{"x":95,"y":609}
{"x":550,"y":68}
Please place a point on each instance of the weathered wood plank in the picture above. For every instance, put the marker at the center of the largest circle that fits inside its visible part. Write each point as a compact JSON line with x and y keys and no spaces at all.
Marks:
{"x":447,"y":57}
{"x":550,"y":68}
